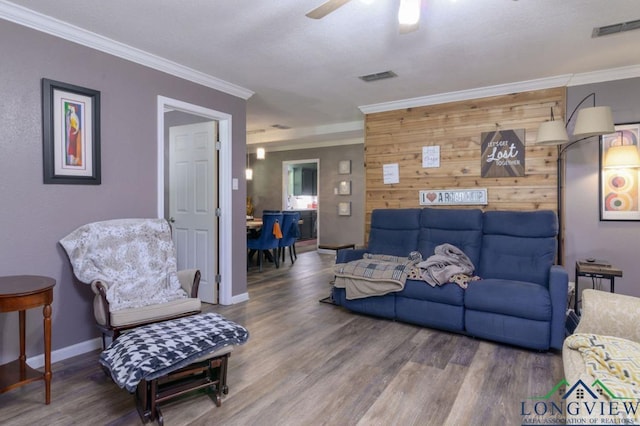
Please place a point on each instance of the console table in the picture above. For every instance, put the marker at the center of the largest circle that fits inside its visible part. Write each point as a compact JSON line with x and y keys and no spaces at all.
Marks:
{"x":19,"y":293}
{"x":594,"y":270}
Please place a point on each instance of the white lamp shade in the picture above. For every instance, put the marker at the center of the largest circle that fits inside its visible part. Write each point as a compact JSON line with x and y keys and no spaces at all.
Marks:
{"x":552,"y":133}
{"x":260,"y":153}
{"x":248,"y":174}
{"x":594,"y":121}
{"x":622,"y":157}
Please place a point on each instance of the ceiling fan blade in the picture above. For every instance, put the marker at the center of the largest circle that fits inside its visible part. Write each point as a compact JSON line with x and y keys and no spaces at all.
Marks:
{"x":404,"y":28}
{"x":326,"y":8}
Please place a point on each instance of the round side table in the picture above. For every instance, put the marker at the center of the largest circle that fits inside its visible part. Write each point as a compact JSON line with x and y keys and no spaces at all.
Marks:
{"x":19,"y":293}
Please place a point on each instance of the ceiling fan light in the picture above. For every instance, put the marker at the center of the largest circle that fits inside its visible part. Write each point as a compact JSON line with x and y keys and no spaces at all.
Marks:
{"x":409,"y":12}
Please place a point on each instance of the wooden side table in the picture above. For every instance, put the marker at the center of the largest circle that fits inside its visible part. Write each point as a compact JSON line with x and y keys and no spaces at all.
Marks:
{"x":594,"y":270}
{"x":19,"y":293}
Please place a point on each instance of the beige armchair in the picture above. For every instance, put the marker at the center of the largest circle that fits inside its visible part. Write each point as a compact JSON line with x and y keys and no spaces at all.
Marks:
{"x":112,"y":323}
{"x":132,"y":269}
{"x":604,"y":314}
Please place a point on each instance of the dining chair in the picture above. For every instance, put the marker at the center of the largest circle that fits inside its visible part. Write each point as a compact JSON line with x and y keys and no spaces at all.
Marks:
{"x":290,"y":234}
{"x":267,"y":240}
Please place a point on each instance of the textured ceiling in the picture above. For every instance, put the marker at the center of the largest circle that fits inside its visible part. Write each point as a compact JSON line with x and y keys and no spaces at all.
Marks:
{"x":304,"y":71}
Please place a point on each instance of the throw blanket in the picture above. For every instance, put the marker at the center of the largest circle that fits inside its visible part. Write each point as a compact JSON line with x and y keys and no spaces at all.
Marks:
{"x":448,"y":264}
{"x":374,"y":275}
{"x":134,"y":257}
{"x":155,"y":350}
{"x":612,"y":360}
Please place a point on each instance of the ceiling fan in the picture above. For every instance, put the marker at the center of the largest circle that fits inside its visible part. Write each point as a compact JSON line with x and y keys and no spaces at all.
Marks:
{"x":408,"y":13}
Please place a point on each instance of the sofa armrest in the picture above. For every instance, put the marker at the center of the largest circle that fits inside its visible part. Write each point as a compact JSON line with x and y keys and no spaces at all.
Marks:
{"x":609,"y":314}
{"x":190,"y":281}
{"x":347,"y":255}
{"x":100,"y":303}
{"x":558,"y":291}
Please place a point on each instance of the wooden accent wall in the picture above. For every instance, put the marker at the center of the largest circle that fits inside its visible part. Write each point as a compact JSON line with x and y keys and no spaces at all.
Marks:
{"x":398,"y":137}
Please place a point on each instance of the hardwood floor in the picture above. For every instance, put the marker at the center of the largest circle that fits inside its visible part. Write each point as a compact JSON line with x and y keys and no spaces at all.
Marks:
{"x":311,"y":363}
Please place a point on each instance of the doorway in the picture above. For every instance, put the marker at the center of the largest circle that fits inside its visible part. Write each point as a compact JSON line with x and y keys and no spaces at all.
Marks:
{"x":300,"y":190}
{"x":219,"y":276}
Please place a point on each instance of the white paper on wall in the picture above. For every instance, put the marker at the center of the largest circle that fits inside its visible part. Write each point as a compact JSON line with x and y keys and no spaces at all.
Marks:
{"x":390,"y":173}
{"x":430,"y":156}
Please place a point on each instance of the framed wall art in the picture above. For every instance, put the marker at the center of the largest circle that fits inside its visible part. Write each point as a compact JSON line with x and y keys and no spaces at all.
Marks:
{"x":619,"y":172}
{"x":344,"y":208}
{"x":344,"y":167}
{"x":344,"y":187}
{"x":70,"y":134}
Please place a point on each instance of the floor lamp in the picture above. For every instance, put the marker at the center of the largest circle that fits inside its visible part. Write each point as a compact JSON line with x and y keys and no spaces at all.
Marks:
{"x":590,"y":121}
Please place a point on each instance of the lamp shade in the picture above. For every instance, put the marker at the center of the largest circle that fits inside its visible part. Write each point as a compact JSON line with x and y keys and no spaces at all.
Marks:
{"x":622,"y":157}
{"x":594,"y":121}
{"x":552,"y":133}
{"x":248,"y":174}
{"x":260,"y":153}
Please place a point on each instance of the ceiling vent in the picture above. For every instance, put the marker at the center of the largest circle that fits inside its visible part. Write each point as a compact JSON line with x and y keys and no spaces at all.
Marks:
{"x":616,"y":28}
{"x":280,"y":126}
{"x":378,"y":76}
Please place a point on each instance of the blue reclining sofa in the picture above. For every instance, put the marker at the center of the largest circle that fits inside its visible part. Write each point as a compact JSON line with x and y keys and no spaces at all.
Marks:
{"x":521,"y":298}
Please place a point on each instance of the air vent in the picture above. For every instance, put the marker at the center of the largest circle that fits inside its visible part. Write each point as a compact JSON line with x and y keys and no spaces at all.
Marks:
{"x":615,"y":28}
{"x":280,"y":126}
{"x":378,"y":76}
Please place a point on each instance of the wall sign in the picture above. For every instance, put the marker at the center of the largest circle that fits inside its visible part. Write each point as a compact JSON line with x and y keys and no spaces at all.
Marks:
{"x":502,"y":153}
{"x":451,"y":197}
{"x":430,"y":156}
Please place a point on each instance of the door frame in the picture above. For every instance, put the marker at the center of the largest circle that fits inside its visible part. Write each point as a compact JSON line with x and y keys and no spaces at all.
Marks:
{"x":224,"y":182}
{"x":285,"y":184}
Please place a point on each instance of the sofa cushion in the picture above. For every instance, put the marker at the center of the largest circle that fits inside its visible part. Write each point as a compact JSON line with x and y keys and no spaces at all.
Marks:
{"x":513,"y":298}
{"x":451,"y":294}
{"x":519,"y":246}
{"x":461,"y":228}
{"x":394,"y":231}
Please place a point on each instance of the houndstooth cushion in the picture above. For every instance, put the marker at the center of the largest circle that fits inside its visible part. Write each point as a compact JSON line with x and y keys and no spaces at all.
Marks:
{"x":155,"y":350}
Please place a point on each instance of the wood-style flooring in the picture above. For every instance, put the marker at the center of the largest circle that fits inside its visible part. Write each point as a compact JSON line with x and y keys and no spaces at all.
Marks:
{"x":311,"y":363}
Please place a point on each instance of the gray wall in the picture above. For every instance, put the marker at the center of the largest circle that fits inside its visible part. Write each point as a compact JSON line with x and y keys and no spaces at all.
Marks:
{"x":585,"y":234}
{"x":34,"y":216}
{"x":266,"y":189}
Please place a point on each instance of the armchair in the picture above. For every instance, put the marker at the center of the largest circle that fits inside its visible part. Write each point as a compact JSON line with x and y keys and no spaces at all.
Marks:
{"x":131,"y":267}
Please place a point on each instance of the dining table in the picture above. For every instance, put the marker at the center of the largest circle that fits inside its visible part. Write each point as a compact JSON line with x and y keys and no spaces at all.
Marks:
{"x":254,"y":224}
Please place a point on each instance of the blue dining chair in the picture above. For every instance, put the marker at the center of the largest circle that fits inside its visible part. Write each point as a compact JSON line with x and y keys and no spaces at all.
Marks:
{"x":290,"y":234}
{"x":266,"y":240}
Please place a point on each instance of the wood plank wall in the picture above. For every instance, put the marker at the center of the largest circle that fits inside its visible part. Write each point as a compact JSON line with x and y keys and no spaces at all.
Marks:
{"x":398,"y":137}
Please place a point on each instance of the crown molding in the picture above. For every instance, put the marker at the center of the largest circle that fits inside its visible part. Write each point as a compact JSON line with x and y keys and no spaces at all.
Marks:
{"x":46,"y":24}
{"x":601,"y":76}
{"x":463,"y":95}
{"x":567,"y":80}
{"x":345,"y":130}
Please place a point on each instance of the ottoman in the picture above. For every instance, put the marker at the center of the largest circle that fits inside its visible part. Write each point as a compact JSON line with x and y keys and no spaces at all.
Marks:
{"x":164,"y":360}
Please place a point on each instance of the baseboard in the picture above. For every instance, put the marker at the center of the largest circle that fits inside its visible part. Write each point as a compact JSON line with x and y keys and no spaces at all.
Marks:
{"x":239,"y":298}
{"x":67,"y":352}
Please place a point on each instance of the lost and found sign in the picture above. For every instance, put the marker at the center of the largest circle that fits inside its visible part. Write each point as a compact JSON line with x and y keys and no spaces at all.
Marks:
{"x":503,"y":153}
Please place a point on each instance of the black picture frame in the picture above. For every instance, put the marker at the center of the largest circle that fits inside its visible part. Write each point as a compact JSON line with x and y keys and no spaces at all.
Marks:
{"x":70,"y":134}
{"x":619,"y":188}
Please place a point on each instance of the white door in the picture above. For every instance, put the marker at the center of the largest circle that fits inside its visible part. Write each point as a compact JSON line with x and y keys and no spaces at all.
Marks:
{"x":193,"y":195}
